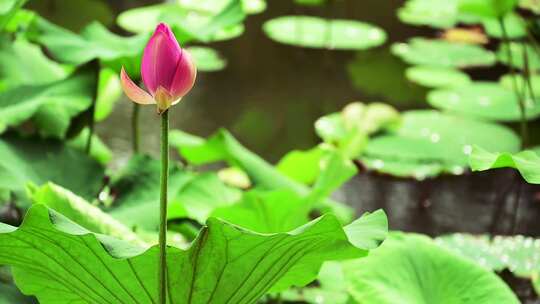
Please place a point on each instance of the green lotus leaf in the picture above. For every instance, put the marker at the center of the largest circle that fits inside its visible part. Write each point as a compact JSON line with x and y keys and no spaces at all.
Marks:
{"x":40,"y":161}
{"x":517,"y":253}
{"x":429,"y":142}
{"x":314,"y":32}
{"x":487,"y":8}
{"x":526,"y":162}
{"x":514,"y":25}
{"x":224,"y":264}
{"x":518,"y":51}
{"x":50,"y":106}
{"x":187,"y":24}
{"x":486,"y":100}
{"x":207,"y":59}
{"x":437,"y":77}
{"x":411,"y":268}
{"x":421,"y":51}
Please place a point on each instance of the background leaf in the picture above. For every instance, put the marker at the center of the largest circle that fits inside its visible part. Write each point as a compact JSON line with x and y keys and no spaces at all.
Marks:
{"x":413,"y":269}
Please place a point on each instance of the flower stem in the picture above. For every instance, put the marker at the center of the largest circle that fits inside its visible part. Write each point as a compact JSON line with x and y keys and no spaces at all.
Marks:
{"x":92,"y":115}
{"x":162,"y":279}
{"x":521,"y":99}
{"x":135,"y":127}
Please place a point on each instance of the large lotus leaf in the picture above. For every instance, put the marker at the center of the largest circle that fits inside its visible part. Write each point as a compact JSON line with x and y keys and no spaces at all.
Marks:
{"x":207,"y":59}
{"x":136,"y":191}
{"x":40,"y":161}
{"x":225,"y":264}
{"x":486,"y":100}
{"x":51,"y":106}
{"x":421,"y":51}
{"x":437,"y":77}
{"x":514,"y":25}
{"x":519,"y":254}
{"x":314,"y":32}
{"x":23,"y":63}
{"x":94,"y":41}
{"x":412,"y":269}
{"x":215,"y":6}
{"x":518,"y":52}
{"x":223,"y":146}
{"x":487,"y":8}
{"x":526,"y":162}
{"x":187,"y":24}
{"x":428,"y":142}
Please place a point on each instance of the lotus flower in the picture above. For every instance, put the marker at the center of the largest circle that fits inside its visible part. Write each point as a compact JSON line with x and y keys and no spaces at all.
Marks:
{"x":167,"y":71}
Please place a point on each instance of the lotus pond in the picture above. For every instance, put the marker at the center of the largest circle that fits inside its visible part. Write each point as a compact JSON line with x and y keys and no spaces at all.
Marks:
{"x":259,"y":151}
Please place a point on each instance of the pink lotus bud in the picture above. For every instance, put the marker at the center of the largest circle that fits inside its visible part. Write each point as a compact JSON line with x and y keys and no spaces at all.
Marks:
{"x":167,"y":70}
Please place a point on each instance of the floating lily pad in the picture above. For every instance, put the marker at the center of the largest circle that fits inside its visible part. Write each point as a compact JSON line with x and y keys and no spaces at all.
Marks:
{"x":526,"y":162}
{"x":519,"y":254}
{"x":507,"y":81}
{"x":487,"y":8}
{"x":420,"y":51}
{"x":186,"y":24}
{"x":514,"y":24}
{"x":314,"y":32}
{"x":435,"y":13}
{"x":429,"y":142}
{"x":437,"y":77}
{"x":310,"y":2}
{"x":487,"y":100}
{"x":412,"y":269}
{"x":207,"y":59}
{"x":215,"y":6}
{"x":517,"y":52}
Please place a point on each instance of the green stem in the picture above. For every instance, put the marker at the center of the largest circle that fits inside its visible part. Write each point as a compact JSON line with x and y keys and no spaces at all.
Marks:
{"x":162,"y":279}
{"x":92,"y":121}
{"x":135,"y":128}
{"x":521,"y":102}
{"x":91,"y":124}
